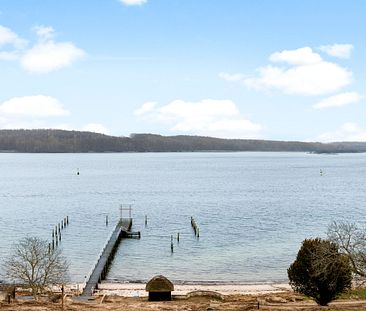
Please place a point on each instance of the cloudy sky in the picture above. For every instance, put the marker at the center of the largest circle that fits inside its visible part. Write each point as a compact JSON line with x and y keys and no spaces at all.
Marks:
{"x":282,"y":70}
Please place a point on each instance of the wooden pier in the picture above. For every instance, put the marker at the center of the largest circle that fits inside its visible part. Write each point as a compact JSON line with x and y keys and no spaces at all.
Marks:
{"x":100,"y":269}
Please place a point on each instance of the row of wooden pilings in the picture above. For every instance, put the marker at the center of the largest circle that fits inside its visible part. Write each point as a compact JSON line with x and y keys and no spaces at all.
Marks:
{"x":56,"y":233}
{"x":193,"y":224}
{"x":196,"y":233}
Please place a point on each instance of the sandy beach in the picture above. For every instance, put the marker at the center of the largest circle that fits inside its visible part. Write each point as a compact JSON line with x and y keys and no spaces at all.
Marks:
{"x":138,"y":289}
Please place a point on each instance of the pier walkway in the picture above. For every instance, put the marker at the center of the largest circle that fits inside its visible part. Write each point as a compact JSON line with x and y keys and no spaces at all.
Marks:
{"x":100,"y":269}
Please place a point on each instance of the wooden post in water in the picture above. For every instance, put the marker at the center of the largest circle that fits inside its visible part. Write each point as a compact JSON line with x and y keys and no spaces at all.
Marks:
{"x":106,"y":220}
{"x":178,"y":237}
{"x":67,"y":220}
{"x":171,"y":244}
{"x":145,"y":220}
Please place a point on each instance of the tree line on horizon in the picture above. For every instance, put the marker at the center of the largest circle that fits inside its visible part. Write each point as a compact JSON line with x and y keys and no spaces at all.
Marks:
{"x":61,"y":141}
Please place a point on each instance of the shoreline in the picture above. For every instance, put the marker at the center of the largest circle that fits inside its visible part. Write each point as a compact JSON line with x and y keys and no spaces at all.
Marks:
{"x":138,"y":289}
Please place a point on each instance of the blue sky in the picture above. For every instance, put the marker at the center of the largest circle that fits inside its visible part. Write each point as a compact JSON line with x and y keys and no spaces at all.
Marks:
{"x":282,"y":70}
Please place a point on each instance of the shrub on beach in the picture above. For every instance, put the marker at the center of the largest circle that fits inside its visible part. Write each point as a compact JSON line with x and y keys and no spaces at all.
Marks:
{"x":320,"y":271}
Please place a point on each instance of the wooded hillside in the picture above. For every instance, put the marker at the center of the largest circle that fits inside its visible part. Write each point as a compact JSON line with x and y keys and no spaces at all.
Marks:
{"x":75,"y":141}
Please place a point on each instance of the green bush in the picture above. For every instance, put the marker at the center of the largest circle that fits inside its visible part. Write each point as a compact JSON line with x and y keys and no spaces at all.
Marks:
{"x":320,"y":271}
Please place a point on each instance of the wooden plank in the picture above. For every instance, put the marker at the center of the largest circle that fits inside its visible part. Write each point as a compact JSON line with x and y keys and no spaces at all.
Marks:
{"x":105,"y":258}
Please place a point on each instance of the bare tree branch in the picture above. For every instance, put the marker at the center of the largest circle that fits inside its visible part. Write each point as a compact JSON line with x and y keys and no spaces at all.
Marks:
{"x":35,"y":265}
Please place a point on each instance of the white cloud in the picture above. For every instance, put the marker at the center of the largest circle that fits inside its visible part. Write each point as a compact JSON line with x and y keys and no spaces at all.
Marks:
{"x":133,"y":2}
{"x":301,"y":56}
{"x":50,"y":56}
{"x":44,"y":56}
{"x":208,"y":117}
{"x":145,"y":108}
{"x":38,"y":106}
{"x":304,"y":73}
{"x":347,"y":132}
{"x":338,"y":50}
{"x":308,"y":80}
{"x":35,"y":112}
{"x":44,"y":32}
{"x":338,"y":100}
{"x":8,"y":37}
{"x":95,"y":127}
{"x":30,"y":112}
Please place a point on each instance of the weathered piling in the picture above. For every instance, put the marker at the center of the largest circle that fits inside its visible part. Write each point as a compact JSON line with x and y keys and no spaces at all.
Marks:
{"x":106,"y":220}
{"x":178,"y":237}
{"x":145,"y":220}
{"x":195,"y":228}
{"x":171,"y":244}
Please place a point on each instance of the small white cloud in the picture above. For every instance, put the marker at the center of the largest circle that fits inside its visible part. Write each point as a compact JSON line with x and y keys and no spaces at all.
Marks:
{"x":338,"y":50}
{"x":208,"y":117}
{"x":347,"y":132}
{"x":8,"y":37}
{"x":44,"y":33}
{"x":145,"y":108}
{"x":301,"y":56}
{"x":50,"y":56}
{"x":95,"y":128}
{"x":231,"y":77}
{"x":133,"y":2}
{"x":338,"y":100}
{"x":44,"y":56}
{"x":38,"y":106}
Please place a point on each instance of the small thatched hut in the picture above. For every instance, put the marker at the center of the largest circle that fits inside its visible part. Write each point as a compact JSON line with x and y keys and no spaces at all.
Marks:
{"x":159,"y":288}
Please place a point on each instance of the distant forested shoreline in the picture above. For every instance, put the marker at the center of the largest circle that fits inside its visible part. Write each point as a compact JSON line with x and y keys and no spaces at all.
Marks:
{"x":60,"y":141}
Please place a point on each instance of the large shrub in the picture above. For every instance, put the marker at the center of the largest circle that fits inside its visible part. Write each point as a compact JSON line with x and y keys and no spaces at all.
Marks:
{"x":320,"y":271}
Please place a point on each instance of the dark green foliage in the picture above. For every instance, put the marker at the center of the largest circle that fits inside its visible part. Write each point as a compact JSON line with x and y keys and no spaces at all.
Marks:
{"x":320,"y":271}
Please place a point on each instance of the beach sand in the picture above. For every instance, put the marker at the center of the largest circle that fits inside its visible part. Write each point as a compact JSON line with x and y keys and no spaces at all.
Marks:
{"x":201,"y":297}
{"x":138,"y":289}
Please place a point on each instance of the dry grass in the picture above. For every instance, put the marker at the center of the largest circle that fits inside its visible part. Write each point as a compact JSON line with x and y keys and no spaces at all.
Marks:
{"x":273,"y":302}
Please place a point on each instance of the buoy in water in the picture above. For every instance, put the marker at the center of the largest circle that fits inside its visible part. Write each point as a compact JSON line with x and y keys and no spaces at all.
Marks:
{"x":78,"y":172}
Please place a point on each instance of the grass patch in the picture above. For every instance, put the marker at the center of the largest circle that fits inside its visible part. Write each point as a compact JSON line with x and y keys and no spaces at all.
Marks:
{"x":357,"y":293}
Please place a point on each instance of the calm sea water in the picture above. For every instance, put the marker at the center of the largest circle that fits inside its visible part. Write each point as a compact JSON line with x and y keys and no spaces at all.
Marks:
{"x":253,"y":209}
